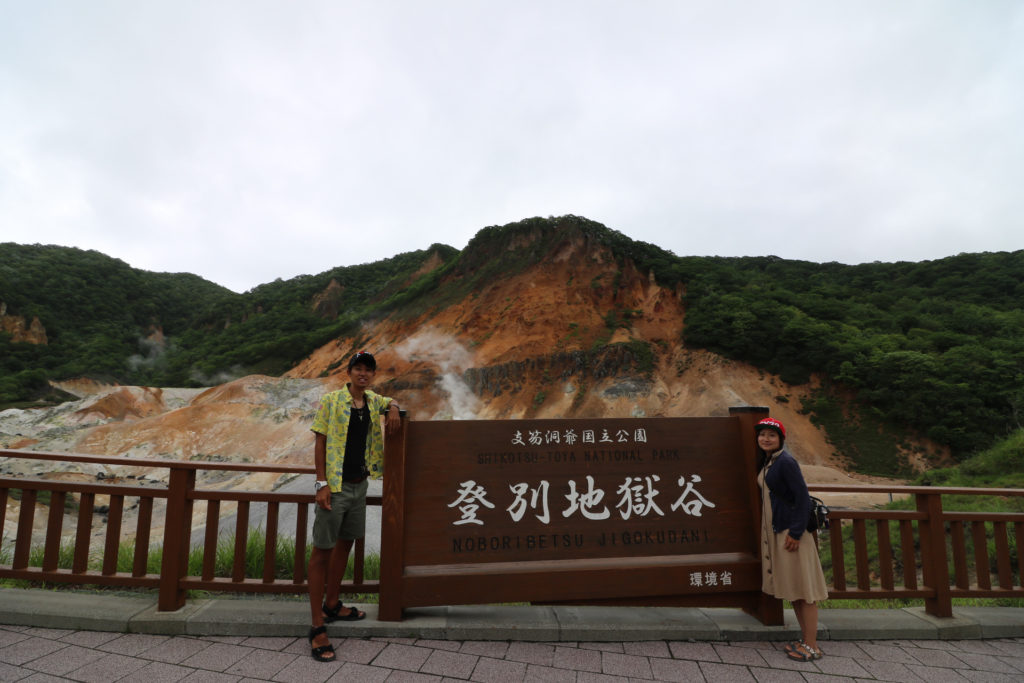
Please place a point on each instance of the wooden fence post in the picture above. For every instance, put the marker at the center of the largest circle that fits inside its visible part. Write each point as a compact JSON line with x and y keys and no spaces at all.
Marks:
{"x":767,"y":608}
{"x":934,"y":560}
{"x":392,"y":545}
{"x":177,"y":539}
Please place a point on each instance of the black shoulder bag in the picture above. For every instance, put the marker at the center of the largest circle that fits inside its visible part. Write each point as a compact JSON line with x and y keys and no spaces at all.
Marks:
{"x":818,"y":518}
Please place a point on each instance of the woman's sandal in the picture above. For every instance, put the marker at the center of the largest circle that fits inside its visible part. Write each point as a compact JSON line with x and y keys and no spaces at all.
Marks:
{"x":804,"y":653}
{"x":334,"y":614}
{"x":790,"y":647}
{"x":320,"y":653}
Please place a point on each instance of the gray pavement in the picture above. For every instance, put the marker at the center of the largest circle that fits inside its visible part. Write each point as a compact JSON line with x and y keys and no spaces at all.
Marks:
{"x":61,"y":635}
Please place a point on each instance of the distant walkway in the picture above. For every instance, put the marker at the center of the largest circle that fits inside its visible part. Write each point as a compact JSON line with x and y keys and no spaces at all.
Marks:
{"x":48,"y":636}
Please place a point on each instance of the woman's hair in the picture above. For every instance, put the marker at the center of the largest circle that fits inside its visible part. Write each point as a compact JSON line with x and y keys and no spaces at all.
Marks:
{"x":777,"y":427}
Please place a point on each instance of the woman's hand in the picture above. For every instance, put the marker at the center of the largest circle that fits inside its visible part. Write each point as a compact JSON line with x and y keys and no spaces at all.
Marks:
{"x":791,"y":544}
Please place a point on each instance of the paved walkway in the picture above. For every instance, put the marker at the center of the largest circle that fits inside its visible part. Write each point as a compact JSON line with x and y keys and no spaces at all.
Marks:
{"x":48,"y":636}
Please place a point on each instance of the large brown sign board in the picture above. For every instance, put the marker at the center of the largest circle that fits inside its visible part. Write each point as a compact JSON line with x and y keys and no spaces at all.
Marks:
{"x":644,"y":511}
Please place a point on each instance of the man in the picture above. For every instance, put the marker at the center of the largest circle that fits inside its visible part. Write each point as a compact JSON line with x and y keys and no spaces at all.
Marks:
{"x":349,"y":448}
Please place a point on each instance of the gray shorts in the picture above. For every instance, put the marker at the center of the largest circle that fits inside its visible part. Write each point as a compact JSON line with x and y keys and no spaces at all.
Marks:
{"x":345,"y":520}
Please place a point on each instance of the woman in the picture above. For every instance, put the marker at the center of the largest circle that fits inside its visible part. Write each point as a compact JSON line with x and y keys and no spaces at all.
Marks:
{"x":790,"y":566}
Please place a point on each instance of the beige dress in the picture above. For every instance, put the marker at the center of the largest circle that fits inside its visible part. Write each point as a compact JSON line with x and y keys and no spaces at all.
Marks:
{"x":788,"y":575}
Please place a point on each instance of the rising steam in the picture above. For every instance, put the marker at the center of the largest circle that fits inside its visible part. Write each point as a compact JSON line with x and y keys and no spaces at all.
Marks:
{"x":451,"y":358}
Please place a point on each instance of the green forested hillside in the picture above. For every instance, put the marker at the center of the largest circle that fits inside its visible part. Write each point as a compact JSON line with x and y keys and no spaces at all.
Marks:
{"x":99,"y":311}
{"x":1000,"y":466}
{"x":936,"y":346}
{"x":95,"y":310}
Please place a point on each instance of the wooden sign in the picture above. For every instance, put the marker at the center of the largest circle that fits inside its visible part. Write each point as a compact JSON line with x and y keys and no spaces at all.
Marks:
{"x":588,"y":511}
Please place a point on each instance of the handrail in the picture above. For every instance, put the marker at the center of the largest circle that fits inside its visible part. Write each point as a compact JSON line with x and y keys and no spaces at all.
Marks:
{"x":127,"y":461}
{"x":170,"y":505}
{"x":928,"y":558}
{"x":924,"y":553}
{"x":945,"y":490}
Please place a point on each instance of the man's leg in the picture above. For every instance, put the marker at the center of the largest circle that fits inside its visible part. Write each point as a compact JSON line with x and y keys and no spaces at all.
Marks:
{"x":353,"y":526}
{"x":319,"y":561}
{"x":336,"y":572}
{"x":326,"y":525}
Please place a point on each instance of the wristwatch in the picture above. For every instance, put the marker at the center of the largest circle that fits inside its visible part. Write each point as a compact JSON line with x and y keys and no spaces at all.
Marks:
{"x":319,"y":484}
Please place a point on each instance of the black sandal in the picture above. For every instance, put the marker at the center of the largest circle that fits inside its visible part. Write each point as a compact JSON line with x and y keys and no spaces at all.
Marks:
{"x":334,"y":614}
{"x":319,"y":653}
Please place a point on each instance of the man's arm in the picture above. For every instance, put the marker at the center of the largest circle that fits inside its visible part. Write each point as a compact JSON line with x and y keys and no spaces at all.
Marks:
{"x":393,"y":419}
{"x":323,"y":496}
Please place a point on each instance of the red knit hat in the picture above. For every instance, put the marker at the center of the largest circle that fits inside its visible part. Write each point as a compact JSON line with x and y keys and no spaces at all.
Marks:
{"x":771,"y":423}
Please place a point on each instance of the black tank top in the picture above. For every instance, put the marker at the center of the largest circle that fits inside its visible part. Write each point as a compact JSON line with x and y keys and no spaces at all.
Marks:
{"x":353,"y":468}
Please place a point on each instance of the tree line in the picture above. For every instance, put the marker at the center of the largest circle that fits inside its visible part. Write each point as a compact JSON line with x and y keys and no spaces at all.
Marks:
{"x":101,"y":314}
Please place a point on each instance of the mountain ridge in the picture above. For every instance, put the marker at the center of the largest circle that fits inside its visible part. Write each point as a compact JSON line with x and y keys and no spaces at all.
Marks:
{"x":895,"y":363}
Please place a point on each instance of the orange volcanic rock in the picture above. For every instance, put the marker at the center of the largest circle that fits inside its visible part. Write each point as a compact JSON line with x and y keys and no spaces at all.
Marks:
{"x":125,"y":403}
{"x":14,"y":325}
{"x":533,"y":331}
{"x":564,"y":305}
{"x":83,"y":386}
{"x":326,"y":304}
{"x":253,"y":419}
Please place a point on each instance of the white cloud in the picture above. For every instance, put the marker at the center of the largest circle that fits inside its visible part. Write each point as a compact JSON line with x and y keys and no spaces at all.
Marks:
{"x":246,"y":141}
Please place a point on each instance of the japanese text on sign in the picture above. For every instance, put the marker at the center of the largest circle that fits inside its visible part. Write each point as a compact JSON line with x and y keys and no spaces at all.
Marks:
{"x":637,"y":497}
{"x":541,"y":437}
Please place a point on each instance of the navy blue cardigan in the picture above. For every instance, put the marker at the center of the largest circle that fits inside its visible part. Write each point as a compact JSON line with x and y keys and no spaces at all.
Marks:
{"x":791,"y":502}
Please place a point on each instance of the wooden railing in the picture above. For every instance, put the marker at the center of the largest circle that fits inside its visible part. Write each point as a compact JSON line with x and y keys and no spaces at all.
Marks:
{"x":176,"y":500}
{"x":918,"y":562}
{"x":926,"y":553}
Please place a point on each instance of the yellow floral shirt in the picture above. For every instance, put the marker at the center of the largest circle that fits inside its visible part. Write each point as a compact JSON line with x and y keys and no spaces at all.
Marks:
{"x":332,"y":421}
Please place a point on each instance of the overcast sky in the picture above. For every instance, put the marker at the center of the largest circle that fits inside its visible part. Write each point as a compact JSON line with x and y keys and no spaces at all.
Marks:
{"x":248,"y":141}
